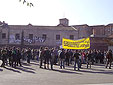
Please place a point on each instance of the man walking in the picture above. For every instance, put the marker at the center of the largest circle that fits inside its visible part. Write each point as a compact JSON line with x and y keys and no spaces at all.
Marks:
{"x":76,"y":59}
{"x":109,"y":59}
{"x":62,"y":59}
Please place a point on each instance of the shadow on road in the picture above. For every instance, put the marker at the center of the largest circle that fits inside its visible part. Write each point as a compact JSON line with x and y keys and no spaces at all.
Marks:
{"x":26,"y":64}
{"x":97,"y":69}
{"x":1,"y":69}
{"x":100,"y":72}
{"x":22,"y":68}
{"x":11,"y":69}
{"x":28,"y":68}
{"x":64,"y":71}
{"x":25,"y":70}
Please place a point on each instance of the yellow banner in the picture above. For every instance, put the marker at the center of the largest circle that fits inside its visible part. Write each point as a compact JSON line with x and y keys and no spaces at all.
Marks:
{"x":76,"y":44}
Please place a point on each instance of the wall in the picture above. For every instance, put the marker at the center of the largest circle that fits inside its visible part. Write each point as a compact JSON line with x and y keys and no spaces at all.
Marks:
{"x":37,"y":31}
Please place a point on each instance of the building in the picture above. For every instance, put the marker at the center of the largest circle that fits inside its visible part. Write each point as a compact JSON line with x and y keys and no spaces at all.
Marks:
{"x":32,"y":35}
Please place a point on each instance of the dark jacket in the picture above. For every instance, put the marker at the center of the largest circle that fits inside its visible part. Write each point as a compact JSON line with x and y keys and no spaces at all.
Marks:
{"x":62,"y":55}
{"x":76,"y":56}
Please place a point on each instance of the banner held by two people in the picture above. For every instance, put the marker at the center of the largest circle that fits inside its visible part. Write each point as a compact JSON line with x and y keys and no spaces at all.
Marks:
{"x":76,"y":44}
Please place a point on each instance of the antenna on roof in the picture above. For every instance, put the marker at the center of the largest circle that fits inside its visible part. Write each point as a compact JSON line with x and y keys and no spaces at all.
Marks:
{"x":64,"y":15}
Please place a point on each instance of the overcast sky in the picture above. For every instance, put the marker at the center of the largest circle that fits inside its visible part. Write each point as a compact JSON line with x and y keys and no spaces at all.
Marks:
{"x":48,"y":12}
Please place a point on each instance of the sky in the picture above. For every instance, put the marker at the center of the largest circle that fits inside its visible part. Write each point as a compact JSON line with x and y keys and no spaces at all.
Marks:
{"x":48,"y":12}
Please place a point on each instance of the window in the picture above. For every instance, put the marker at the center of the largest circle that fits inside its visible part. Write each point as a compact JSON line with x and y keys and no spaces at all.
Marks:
{"x":57,"y":37}
{"x":3,"y":35}
{"x":72,"y":37}
{"x":17,"y":36}
{"x":112,"y":29}
{"x":44,"y":36}
{"x":31,"y":36}
{"x":108,"y":29}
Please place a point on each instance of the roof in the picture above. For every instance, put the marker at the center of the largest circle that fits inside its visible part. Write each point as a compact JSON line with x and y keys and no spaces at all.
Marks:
{"x":64,"y":18}
{"x":97,"y":26}
{"x":110,"y":24}
{"x":41,"y":27}
{"x":81,"y":25}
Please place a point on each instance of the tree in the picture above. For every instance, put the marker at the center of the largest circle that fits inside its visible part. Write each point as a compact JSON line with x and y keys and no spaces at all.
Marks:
{"x":27,"y":3}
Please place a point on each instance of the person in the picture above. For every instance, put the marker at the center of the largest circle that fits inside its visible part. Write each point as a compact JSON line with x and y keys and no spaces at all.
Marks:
{"x":3,"y":57}
{"x":41,"y":56}
{"x":83,"y":57}
{"x":37,"y":54}
{"x":109,"y":59}
{"x":14,"y":57}
{"x":67,"y":54}
{"x":80,"y":59}
{"x":55,"y":56}
{"x":62,"y":59}
{"x":98,"y":57}
{"x":76,"y":60}
{"x":59,"y":51}
{"x":102,"y":58}
{"x":23,"y":54}
{"x":71,"y":56}
{"x":89,"y":58}
{"x":29,"y":55}
{"x":33,"y":54}
{"x":19,"y":57}
{"x":52,"y":58}
{"x":46,"y":57}
{"x":9,"y":52}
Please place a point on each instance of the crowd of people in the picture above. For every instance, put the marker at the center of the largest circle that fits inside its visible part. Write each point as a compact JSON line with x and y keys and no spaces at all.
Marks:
{"x":77,"y":57}
{"x":13,"y":56}
{"x":48,"y":57}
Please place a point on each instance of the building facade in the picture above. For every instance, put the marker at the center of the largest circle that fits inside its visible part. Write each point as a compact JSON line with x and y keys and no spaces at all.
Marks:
{"x":32,"y":35}
{"x":36,"y":35}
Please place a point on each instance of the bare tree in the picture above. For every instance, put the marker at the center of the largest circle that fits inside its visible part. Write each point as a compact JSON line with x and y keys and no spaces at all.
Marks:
{"x":27,"y":3}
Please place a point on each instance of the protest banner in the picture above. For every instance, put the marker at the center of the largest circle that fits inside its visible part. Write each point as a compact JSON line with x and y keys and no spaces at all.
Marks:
{"x":76,"y":44}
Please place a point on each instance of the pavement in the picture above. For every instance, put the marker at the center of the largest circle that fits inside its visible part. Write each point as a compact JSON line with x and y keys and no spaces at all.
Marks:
{"x":31,"y":74}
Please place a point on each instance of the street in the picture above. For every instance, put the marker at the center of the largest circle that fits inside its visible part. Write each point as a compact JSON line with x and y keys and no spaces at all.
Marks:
{"x":31,"y":74}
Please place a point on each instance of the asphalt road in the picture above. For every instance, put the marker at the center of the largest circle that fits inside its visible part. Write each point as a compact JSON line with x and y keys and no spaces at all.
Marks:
{"x":31,"y":74}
